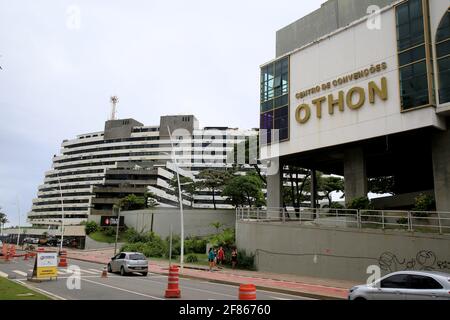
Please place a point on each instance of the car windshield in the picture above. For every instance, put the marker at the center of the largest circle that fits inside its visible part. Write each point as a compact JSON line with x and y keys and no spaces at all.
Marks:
{"x":137,"y":256}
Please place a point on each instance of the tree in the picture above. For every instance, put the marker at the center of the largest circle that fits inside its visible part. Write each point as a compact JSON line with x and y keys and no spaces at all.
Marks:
{"x":217,"y":225}
{"x":251,"y":157}
{"x":213,"y":180}
{"x":188,"y":187}
{"x":3,"y":220}
{"x":150,"y":200}
{"x":381,"y":185}
{"x":327,"y":185}
{"x":132,"y":202}
{"x":245,"y":190}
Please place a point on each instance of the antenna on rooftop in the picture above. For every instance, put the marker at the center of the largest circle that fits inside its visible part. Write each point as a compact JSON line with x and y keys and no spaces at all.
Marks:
{"x":114,"y":100}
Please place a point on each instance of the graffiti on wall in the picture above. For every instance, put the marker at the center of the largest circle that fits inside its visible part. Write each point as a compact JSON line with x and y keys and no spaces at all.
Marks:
{"x":425,"y":260}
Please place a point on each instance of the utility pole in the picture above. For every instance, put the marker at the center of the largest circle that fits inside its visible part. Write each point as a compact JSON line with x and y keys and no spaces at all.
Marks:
{"x":62,"y":212}
{"x":180,"y":201}
{"x":117,"y":228}
{"x":18,"y":211}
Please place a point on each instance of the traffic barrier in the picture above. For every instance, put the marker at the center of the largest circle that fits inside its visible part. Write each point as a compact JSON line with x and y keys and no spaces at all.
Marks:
{"x":5,"y":252}
{"x":63,"y":259}
{"x":104,"y":273}
{"x":12,"y":251}
{"x":247,"y":292}
{"x":25,"y":256}
{"x":173,"y":291}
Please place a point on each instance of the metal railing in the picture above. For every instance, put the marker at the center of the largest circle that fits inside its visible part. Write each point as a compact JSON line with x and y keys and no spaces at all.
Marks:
{"x":413,"y":221}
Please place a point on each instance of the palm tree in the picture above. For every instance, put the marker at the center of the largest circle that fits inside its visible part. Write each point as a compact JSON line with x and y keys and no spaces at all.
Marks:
{"x":3,"y":220}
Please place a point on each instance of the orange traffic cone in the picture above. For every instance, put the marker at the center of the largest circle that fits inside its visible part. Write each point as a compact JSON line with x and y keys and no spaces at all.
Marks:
{"x":247,"y":292}
{"x":25,"y":257}
{"x":104,"y":273}
{"x":173,"y":291}
{"x":62,"y":259}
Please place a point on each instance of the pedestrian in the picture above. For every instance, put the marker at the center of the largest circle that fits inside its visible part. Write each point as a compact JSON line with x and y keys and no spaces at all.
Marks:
{"x":234,"y":255}
{"x":211,"y":257}
{"x":215,"y":257}
{"x":220,"y":256}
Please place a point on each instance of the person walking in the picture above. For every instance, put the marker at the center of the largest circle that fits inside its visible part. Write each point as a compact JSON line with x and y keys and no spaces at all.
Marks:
{"x":211,"y":258}
{"x":234,"y":255}
{"x":220,"y":256}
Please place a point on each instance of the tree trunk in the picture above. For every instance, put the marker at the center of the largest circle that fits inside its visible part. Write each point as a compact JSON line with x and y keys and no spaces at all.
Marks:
{"x":258,"y":171}
{"x":214,"y":198}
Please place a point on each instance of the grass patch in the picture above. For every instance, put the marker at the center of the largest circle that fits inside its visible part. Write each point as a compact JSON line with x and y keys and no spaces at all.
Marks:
{"x":99,"y":236}
{"x":10,"y":290}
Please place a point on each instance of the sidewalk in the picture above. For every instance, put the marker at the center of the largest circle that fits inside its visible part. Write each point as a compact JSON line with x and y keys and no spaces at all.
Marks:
{"x":291,"y":284}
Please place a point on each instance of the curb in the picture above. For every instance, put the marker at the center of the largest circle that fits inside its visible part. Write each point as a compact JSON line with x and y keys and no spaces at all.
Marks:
{"x":271,"y":289}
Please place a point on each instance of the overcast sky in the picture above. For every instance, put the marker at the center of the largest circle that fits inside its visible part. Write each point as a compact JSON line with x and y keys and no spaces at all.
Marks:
{"x":62,"y":60}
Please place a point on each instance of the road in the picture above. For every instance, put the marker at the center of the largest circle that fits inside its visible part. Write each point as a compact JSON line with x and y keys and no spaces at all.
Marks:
{"x":133,"y":287}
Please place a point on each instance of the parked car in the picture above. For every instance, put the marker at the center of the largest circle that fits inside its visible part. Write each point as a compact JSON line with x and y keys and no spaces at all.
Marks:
{"x":31,"y":240}
{"x":128,"y":262}
{"x":405,"y":285}
{"x":52,"y":242}
{"x":1,"y":247}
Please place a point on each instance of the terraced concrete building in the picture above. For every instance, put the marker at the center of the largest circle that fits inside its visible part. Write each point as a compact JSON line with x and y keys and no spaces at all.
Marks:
{"x":96,"y":169}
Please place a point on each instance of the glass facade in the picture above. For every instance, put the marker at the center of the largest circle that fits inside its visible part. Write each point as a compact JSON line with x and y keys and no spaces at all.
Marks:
{"x":443,"y":58}
{"x":412,"y":46}
{"x":275,"y":99}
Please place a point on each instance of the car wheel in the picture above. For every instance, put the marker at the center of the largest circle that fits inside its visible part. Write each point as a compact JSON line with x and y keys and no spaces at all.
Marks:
{"x":109,"y":268}
{"x":122,"y":271}
{"x":144,"y":274}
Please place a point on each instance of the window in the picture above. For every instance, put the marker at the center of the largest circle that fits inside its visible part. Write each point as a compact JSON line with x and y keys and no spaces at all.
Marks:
{"x":398,"y":281}
{"x":423,"y":282}
{"x":443,"y":58}
{"x":275,"y":98}
{"x":413,"y":60}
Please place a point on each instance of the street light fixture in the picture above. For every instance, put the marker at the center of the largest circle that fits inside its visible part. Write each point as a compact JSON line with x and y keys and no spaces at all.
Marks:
{"x":180,"y":200}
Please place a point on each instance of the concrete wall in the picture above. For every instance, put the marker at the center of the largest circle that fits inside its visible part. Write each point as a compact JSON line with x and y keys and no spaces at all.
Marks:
{"x":333,"y":14}
{"x":339,"y":253}
{"x":441,"y":169}
{"x":196,"y":222}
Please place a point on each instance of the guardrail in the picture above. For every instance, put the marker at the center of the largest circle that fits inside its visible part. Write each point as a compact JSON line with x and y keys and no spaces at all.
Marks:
{"x":413,"y":221}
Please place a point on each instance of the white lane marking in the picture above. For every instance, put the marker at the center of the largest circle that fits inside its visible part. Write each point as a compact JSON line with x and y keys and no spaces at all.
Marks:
{"x":121,"y":289}
{"x":96,"y":271}
{"x":63,"y":271}
{"x":90,"y":272}
{"x":258,"y":290}
{"x":201,"y":290}
{"x":40,"y":290}
{"x":23,"y":274}
{"x":3,"y":275}
{"x":277,"y":298}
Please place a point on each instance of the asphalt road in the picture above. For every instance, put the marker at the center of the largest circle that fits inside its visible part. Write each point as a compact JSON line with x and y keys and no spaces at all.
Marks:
{"x":133,"y":287}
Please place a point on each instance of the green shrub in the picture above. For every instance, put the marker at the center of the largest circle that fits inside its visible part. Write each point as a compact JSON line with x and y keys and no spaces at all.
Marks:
{"x":402,"y":221}
{"x":154,"y":248}
{"x":195,"y":245}
{"x":132,"y":236}
{"x":224,"y":239}
{"x":191,"y":258}
{"x":336,"y":205}
{"x":245,"y":261}
{"x":176,"y":246}
{"x":423,"y":202}
{"x":91,"y":227}
{"x":109,"y":231}
{"x":362,"y":203}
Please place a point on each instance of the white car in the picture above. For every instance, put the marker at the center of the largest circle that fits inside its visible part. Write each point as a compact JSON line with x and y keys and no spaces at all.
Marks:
{"x":405,"y":285}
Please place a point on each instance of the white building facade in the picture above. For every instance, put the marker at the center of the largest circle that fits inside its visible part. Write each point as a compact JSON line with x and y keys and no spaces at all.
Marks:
{"x":370,"y":99}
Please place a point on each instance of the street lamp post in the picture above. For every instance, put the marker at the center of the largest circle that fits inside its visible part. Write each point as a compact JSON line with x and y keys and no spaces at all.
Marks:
{"x":62,"y":211}
{"x":117,"y":229}
{"x":180,"y":199}
{"x":18,"y":211}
